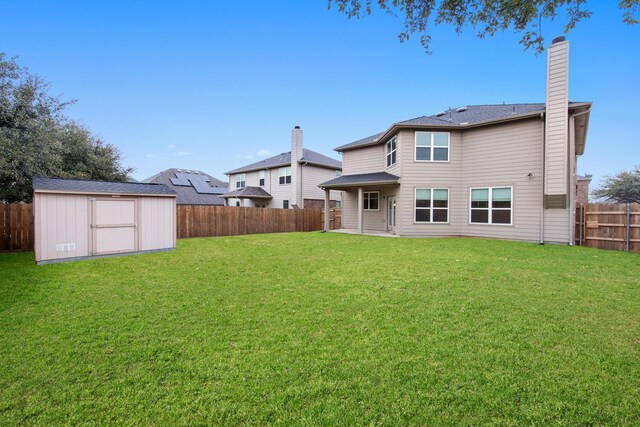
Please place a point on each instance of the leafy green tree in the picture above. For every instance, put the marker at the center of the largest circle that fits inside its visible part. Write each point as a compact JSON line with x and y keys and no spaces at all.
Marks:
{"x":621,"y":188}
{"x":485,"y":17}
{"x":36,"y":138}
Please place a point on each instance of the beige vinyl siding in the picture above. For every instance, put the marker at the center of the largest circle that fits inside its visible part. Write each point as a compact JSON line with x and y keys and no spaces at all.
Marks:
{"x":156,"y":223}
{"x":502,"y":156}
{"x":372,"y":220}
{"x":556,"y":226}
{"x":312,"y":176}
{"x":556,"y":172}
{"x":279,"y":192}
{"x":364,"y":160}
{"x":429,"y":175}
{"x":61,"y":219}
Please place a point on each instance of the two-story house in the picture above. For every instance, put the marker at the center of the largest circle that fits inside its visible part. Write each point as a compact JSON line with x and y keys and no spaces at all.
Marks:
{"x":287,"y":180}
{"x":498,"y":171}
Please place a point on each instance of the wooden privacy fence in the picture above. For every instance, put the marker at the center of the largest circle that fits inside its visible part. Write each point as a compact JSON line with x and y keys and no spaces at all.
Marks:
{"x":335,"y":218}
{"x":609,"y":226}
{"x":206,"y":221}
{"x":16,"y":222}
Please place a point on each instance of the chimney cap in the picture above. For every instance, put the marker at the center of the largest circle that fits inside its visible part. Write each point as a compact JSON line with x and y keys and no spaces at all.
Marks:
{"x":558,"y":39}
{"x":297,"y":127}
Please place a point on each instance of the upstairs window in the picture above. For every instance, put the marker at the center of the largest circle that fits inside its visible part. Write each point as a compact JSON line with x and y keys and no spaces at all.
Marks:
{"x":338,"y":174}
{"x":432,"y":146}
{"x":371,"y":200}
{"x":491,"y":205}
{"x":391,"y":152}
{"x":261,"y":176}
{"x":241,"y":180}
{"x":285,"y":175}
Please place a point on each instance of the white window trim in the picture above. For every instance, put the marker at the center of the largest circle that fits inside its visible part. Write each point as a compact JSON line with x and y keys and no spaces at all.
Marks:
{"x":415,"y":198}
{"x":489,"y":208}
{"x":262,"y":175}
{"x":370,"y":210}
{"x":387,"y":154}
{"x":431,"y":147}
{"x":280,"y":175}
{"x":238,"y":180}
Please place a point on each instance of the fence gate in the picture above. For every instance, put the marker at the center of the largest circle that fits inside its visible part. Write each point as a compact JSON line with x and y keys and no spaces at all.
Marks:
{"x":114,"y":226}
{"x":609,"y":226}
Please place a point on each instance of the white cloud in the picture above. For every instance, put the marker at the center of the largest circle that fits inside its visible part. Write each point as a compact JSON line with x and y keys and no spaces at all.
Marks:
{"x":150,"y":156}
{"x":171,"y":146}
{"x":246,"y":155}
{"x":181,"y":153}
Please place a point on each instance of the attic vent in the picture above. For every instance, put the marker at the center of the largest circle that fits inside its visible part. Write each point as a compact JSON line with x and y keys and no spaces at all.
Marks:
{"x":461,"y":109}
{"x":441,"y":113}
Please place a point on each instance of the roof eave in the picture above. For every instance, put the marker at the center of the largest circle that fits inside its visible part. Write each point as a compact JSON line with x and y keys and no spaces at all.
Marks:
{"x":357,"y":184}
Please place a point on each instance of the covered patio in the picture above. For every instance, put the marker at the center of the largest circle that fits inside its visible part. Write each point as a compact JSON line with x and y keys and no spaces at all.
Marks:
{"x":359,"y":182}
{"x":250,"y":193}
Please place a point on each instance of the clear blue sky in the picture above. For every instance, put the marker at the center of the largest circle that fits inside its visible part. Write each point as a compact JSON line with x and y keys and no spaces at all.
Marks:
{"x":215,"y":85}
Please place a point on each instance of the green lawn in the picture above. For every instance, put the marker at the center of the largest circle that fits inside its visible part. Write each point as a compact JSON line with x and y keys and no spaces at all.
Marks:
{"x":326,"y":329}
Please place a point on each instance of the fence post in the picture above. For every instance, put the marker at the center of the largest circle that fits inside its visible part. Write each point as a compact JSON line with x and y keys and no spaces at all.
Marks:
{"x":580,"y":223}
{"x":627,"y":234}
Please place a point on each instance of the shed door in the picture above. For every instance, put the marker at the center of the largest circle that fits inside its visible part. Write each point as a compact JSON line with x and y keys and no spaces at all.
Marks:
{"x":114,"y":226}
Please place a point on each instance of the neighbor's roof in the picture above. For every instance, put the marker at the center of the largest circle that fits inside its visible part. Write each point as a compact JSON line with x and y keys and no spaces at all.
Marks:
{"x":192,"y":187}
{"x":470,"y":115}
{"x":360,"y":180}
{"x":248,"y":193}
{"x":86,"y":186}
{"x":284,"y":159}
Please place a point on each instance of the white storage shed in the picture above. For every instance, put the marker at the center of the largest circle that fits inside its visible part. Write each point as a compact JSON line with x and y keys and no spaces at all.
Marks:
{"x":78,"y":219}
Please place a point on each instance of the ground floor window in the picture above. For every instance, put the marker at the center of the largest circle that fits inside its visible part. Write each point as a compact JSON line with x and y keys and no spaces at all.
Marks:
{"x":371,"y":200}
{"x":491,"y":205}
{"x":432,"y":205}
{"x":285,"y":204}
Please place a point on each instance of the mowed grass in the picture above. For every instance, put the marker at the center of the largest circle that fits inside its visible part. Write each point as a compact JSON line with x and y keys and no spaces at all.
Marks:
{"x":324,"y":329}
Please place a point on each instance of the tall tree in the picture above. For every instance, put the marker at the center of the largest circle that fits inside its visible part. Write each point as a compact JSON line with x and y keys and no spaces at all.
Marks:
{"x":621,"y":188}
{"x":36,"y":138}
{"x":485,"y":17}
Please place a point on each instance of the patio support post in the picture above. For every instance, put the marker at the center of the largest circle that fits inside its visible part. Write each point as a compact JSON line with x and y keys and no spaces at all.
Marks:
{"x":360,"y":209}
{"x":326,"y":210}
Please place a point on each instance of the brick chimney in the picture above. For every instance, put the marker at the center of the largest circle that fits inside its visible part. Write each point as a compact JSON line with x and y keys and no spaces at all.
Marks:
{"x":296,"y":167}
{"x":556,"y":182}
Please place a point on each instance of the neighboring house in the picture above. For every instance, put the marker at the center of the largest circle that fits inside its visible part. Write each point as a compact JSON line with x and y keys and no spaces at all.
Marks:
{"x":287,"y":180}
{"x":498,"y":171}
{"x":192,"y":187}
{"x":582,"y":189}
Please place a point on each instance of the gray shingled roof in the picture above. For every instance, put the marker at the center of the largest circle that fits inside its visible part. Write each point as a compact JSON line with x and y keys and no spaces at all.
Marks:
{"x":86,"y":186}
{"x":192,"y":187}
{"x":467,"y":115}
{"x":361,"y":179}
{"x":248,"y":193}
{"x":284,"y":159}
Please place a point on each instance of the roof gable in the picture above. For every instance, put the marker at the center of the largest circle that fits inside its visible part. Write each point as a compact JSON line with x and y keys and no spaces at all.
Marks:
{"x":284,"y":159}
{"x":192,"y":187}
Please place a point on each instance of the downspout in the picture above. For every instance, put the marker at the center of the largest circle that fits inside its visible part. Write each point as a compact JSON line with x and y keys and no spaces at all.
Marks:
{"x":572,"y":180}
{"x":302,"y":185}
{"x":541,"y":242}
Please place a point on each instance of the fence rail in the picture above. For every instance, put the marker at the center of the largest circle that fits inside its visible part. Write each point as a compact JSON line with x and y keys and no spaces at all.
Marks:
{"x":609,"y":226}
{"x":207,"y":221}
{"x":16,"y":224}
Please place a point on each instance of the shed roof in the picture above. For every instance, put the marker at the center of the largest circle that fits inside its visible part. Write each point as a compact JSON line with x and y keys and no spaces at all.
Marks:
{"x":284,"y":159}
{"x":44,"y":184}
